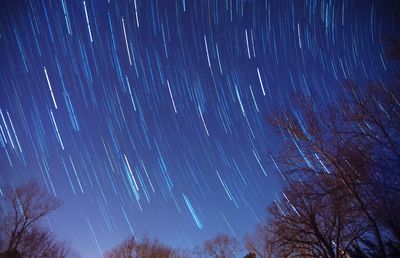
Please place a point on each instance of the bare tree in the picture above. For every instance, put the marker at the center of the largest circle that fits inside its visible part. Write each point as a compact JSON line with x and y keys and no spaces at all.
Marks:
{"x":308,"y":221}
{"x":250,"y":255}
{"x":130,"y":248}
{"x":20,"y":231}
{"x":198,"y":252}
{"x":222,"y":246}
{"x":41,"y":243}
{"x":376,"y":115}
{"x":261,"y":242}
{"x":354,"y":146}
{"x":124,"y":250}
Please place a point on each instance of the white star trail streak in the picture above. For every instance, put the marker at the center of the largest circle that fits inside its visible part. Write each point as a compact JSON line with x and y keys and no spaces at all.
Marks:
{"x":56,"y":129}
{"x":254,"y":100}
{"x":247,"y":44}
{"x":132,"y":182}
{"x":51,"y":90}
{"x":127,"y":221}
{"x":299,"y":35}
{"x":219,"y":59}
{"x":136,"y":14}
{"x":66,"y":16}
{"x":7,"y":130}
{"x":126,"y":42}
{"x":258,"y":161}
{"x":147,"y":175}
{"x":76,"y":174}
{"x":3,"y":135}
{"x":225,"y":188}
{"x":172,"y":97}
{"x":94,"y":237}
{"x":87,"y":21}
{"x":202,"y":119}
{"x":15,"y":134}
{"x":208,"y":55}
{"x":261,"y":83}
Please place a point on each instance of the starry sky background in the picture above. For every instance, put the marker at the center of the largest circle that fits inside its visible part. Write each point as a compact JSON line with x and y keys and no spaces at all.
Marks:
{"x":148,"y":116}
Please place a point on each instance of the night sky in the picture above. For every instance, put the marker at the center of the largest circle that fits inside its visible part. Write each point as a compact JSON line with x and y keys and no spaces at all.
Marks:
{"x":148,"y":116}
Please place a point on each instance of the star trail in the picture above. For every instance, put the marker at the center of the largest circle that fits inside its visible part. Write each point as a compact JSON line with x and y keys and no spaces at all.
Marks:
{"x":148,"y":116}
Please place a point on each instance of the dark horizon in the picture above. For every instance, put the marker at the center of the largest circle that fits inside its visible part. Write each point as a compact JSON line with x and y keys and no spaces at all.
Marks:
{"x":148,"y":117}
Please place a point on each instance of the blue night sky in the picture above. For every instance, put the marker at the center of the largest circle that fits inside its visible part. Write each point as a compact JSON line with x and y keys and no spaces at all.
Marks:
{"x":148,"y":116}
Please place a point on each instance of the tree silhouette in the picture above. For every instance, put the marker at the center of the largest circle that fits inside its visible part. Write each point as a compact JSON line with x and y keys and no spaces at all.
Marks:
{"x":261,"y":242}
{"x":250,"y":255}
{"x":222,"y":246}
{"x":20,"y":231}
{"x":313,"y":223}
{"x":123,"y":250}
{"x":130,"y":248}
{"x":342,"y":162}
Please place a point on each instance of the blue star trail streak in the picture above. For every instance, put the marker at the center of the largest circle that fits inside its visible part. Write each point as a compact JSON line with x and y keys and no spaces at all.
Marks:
{"x":149,"y":116}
